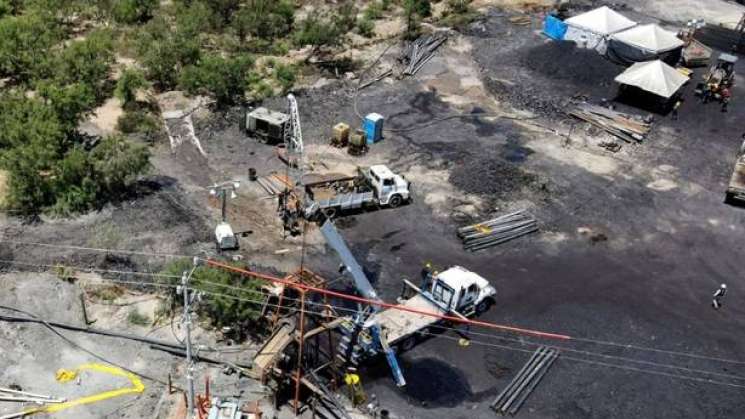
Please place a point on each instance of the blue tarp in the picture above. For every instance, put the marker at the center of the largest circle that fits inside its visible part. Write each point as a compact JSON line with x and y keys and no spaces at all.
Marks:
{"x":554,"y":28}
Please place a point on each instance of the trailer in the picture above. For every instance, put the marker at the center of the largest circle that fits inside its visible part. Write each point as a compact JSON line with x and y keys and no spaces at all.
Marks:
{"x":265,"y":125}
{"x":736,"y":187}
{"x":372,"y":187}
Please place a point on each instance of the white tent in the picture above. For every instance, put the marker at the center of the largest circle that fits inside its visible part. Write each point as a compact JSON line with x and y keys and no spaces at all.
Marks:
{"x":649,"y":37}
{"x":591,"y":29}
{"x":653,"y":76}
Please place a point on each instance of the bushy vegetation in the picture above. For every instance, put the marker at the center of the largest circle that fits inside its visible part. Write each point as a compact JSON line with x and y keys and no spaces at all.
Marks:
{"x":57,"y":58}
{"x":229,"y":299}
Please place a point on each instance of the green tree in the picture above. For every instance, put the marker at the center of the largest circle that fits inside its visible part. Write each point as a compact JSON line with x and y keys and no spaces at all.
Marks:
{"x":317,"y":32}
{"x":87,"y":61}
{"x":238,"y":304}
{"x":70,"y":102}
{"x":73,"y":183}
{"x":265,"y":19}
{"x":25,"y":42}
{"x":414,"y":11}
{"x":129,"y":82}
{"x":222,"y":78}
{"x":117,"y":162}
{"x":133,"y":11}
{"x":224,"y":8}
{"x":164,"y":52}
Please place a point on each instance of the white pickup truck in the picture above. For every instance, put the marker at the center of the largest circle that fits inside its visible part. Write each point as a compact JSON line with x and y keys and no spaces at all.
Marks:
{"x":374,"y":186}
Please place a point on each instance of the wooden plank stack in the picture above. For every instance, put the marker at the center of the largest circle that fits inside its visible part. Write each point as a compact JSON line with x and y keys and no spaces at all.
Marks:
{"x":625,"y":126}
{"x":274,"y":184}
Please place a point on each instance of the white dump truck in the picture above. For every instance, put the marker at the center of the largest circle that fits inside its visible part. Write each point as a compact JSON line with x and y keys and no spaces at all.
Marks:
{"x":373,"y":186}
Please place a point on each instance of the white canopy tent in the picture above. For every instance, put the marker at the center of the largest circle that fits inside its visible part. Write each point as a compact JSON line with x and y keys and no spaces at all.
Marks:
{"x":654,"y":77}
{"x":591,"y":29}
{"x":649,"y":37}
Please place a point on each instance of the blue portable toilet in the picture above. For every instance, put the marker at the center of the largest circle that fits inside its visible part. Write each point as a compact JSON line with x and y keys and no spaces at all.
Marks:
{"x":373,"y":127}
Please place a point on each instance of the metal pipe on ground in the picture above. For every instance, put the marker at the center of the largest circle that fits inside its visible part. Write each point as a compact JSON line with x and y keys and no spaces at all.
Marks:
{"x":500,"y":228}
{"x":501,"y":395}
{"x":501,"y":239}
{"x":503,"y":232}
{"x":520,"y":379}
{"x":474,"y":227}
{"x":524,"y":384}
{"x":516,"y":407}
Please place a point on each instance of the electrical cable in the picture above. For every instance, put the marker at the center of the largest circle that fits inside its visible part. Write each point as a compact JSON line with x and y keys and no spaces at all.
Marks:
{"x":82,"y":348}
{"x":679,"y":376}
{"x":562,"y":348}
{"x":592,"y":341}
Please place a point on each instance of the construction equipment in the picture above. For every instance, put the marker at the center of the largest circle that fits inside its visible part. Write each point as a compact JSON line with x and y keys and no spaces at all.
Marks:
{"x":372,"y":332}
{"x":720,"y":76}
{"x":357,"y":143}
{"x":516,"y":393}
{"x":266,"y":125}
{"x":374,"y":186}
{"x":695,"y":53}
{"x":736,"y":187}
{"x":340,"y":137}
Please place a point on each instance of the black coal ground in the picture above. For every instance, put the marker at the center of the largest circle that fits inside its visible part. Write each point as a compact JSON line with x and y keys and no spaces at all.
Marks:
{"x":648,"y":284}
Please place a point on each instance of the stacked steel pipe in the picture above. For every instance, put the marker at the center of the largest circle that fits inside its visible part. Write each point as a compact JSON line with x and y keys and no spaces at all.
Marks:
{"x":421,"y":51}
{"x":511,"y":399}
{"x":497,"y":230}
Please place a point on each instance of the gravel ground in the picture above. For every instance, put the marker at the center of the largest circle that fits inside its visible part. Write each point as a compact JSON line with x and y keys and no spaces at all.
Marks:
{"x":669,"y":239}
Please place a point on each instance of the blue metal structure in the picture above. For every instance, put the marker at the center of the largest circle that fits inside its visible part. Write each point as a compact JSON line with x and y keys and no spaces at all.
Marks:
{"x":354,"y":331}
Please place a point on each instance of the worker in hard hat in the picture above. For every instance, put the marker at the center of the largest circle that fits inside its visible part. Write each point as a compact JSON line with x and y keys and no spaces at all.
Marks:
{"x":426,"y":275}
{"x":352,"y":380}
{"x":718,"y":295}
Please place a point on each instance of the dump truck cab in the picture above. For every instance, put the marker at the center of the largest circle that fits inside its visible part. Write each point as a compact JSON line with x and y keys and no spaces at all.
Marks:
{"x":225,"y":238}
{"x":736,"y":186}
{"x":460,"y":290}
{"x":266,"y":125}
{"x":390,"y":188}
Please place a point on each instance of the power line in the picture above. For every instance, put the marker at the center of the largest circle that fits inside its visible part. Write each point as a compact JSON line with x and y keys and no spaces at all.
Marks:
{"x":240,"y":289}
{"x":599,"y":363}
{"x":94,"y":249}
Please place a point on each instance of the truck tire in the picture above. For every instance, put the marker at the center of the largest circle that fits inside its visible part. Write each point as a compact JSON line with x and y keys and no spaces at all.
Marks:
{"x":395,"y":201}
{"x":483,"y":306}
{"x":407,"y":344}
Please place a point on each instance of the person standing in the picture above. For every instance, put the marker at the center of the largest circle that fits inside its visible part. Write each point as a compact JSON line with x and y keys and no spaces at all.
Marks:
{"x":726,"y":95}
{"x":676,"y":106}
{"x":718,"y":296}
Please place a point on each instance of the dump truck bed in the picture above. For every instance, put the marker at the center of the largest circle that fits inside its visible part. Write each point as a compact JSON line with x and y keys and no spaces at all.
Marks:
{"x":398,"y":324}
{"x":736,"y":187}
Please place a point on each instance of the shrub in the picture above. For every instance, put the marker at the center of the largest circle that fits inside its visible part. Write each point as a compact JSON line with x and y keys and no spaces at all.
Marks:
{"x":366,"y":28}
{"x":230,"y":308}
{"x":137,"y":318}
{"x":133,"y":11}
{"x":137,"y":121}
{"x":285,"y":75}
{"x":373,"y":11}
{"x":222,"y":78}
{"x":129,"y":82}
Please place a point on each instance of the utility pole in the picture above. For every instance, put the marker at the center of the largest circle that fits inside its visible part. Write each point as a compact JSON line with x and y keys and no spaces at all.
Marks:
{"x":221,"y":190}
{"x":184,"y":289}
